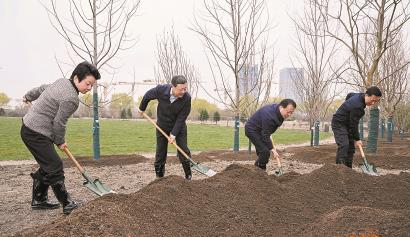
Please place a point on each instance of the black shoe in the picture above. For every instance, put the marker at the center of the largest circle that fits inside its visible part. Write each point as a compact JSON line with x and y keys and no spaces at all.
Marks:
{"x":40,"y":196}
{"x":187,"y":170}
{"x":63,"y":197}
{"x":257,"y":164}
{"x":159,"y":170}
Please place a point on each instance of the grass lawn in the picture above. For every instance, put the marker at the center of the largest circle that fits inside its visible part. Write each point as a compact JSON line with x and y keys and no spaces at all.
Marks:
{"x":127,"y":137}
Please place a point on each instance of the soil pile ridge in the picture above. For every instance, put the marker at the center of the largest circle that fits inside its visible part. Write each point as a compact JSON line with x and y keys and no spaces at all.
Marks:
{"x":244,"y":201}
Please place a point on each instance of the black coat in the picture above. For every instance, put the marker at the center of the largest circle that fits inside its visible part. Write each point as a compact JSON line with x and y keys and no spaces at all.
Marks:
{"x":264,"y":122}
{"x":349,"y":114}
{"x":170,"y":116}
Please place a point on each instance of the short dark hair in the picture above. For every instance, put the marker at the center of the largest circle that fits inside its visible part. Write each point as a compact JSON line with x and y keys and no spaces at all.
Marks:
{"x":85,"y":69}
{"x":374,"y":90}
{"x":179,"y":79}
{"x":284,"y":103}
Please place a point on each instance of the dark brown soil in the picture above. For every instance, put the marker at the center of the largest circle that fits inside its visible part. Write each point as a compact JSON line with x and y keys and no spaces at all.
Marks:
{"x":108,"y":160}
{"x":207,"y":156}
{"x":394,"y":155}
{"x":244,"y":201}
{"x":239,"y":201}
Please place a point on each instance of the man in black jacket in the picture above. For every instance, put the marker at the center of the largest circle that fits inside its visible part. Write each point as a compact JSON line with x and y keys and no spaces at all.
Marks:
{"x":262,"y":124}
{"x":174,"y":106}
{"x":345,"y":123}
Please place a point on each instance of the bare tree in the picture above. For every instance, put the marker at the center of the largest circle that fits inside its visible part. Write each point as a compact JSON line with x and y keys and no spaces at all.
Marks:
{"x":172,"y":60}
{"x":402,"y":114}
{"x":394,"y":67}
{"x":230,"y":31}
{"x":256,"y":81}
{"x":94,"y":31}
{"x":316,"y":51}
{"x":375,"y":23}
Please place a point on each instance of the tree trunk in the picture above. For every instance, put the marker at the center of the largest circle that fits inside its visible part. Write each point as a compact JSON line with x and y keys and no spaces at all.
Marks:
{"x":390,"y":129}
{"x":236,"y":135}
{"x":373,"y":126}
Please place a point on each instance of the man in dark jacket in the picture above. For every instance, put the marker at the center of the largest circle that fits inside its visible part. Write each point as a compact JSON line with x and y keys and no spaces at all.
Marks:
{"x":45,"y":125}
{"x":174,"y":106}
{"x":262,"y":124}
{"x":345,"y":123}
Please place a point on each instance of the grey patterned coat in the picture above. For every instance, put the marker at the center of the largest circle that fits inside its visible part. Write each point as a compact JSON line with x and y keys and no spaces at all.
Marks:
{"x":55,"y":103}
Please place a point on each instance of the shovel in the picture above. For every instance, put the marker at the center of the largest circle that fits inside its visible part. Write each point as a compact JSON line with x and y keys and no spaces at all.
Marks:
{"x":196,"y":166}
{"x":96,"y":186}
{"x":367,"y":168}
{"x":279,"y":171}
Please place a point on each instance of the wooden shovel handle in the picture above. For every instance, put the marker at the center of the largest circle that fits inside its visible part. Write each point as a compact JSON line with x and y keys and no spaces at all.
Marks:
{"x":279,"y":162}
{"x":277,"y":157}
{"x":165,"y":135}
{"x":68,"y":153}
{"x":361,"y":150}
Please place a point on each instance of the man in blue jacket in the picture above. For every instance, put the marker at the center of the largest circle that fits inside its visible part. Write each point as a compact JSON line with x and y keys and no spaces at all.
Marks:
{"x":345,"y":123}
{"x":174,"y":106}
{"x":262,"y":124}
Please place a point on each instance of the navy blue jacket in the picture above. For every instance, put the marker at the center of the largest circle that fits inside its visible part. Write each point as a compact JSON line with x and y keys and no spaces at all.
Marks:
{"x":170,"y":116}
{"x":349,"y":114}
{"x":264,"y":122}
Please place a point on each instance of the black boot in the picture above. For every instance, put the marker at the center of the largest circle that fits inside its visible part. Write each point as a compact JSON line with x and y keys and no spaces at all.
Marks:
{"x":63,"y":197}
{"x":187,"y":170}
{"x":160,"y":170}
{"x":40,"y":196}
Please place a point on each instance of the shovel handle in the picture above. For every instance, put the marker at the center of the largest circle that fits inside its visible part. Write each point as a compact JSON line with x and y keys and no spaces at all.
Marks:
{"x":277,"y":157}
{"x":363,"y":156}
{"x":68,"y":153}
{"x":165,"y":135}
{"x":361,"y":151}
{"x":279,"y":162}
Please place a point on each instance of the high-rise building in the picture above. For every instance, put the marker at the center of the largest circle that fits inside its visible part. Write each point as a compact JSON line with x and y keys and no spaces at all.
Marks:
{"x":248,"y":81}
{"x":287,"y":79}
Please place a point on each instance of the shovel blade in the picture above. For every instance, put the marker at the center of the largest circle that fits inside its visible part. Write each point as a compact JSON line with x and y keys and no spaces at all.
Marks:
{"x":369,"y":169}
{"x":203,"y":169}
{"x":96,"y":185}
{"x":98,"y":188}
{"x":279,"y":172}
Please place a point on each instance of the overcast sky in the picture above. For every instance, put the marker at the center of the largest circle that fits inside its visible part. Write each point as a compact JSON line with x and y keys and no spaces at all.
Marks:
{"x":29,"y":44}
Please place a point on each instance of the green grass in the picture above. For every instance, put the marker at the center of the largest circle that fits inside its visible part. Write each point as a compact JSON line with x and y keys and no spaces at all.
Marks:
{"x":127,"y":137}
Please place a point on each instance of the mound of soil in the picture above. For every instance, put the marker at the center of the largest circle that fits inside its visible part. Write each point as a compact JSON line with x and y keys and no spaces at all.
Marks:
{"x":388,"y":156}
{"x":245,"y":201}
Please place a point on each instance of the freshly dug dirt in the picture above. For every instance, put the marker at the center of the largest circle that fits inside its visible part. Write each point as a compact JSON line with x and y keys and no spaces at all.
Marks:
{"x":239,"y":201}
{"x":244,"y":201}
{"x":394,"y":155}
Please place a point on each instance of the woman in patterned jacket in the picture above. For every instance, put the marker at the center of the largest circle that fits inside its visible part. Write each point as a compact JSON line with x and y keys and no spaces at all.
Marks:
{"x":45,"y":125}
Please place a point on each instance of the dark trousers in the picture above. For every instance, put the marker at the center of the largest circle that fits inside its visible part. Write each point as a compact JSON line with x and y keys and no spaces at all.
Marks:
{"x":42,"y":148}
{"x":262,"y":150}
{"x":162,"y":146}
{"x":345,"y":145}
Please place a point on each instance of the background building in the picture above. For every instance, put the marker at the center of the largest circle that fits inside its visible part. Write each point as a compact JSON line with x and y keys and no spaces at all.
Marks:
{"x":287,"y":78}
{"x":248,"y":81}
